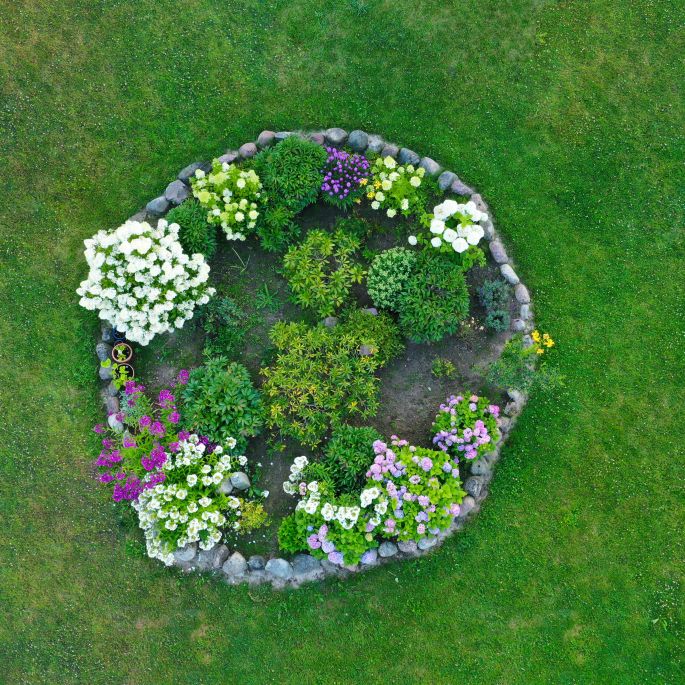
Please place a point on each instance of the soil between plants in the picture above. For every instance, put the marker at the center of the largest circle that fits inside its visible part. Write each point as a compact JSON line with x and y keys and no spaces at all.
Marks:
{"x":409,"y":393}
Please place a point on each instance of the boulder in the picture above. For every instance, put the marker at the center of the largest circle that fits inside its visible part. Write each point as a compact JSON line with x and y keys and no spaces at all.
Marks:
{"x":488,"y":228}
{"x":371,"y":310}
{"x":317,"y":137}
{"x":111,"y":404}
{"x":390,"y":150}
{"x":306,"y":568}
{"x":187,"y":553}
{"x":279,"y":569}
{"x":336,"y":136}
{"x":158,"y":207}
{"x":103,"y":351}
{"x":521,"y":293}
{"x":247,"y":150}
{"x":229,"y":157}
{"x":509,"y":274}
{"x":430,"y":165}
{"x":407,"y":156}
{"x":282,"y":135}
{"x":107,"y":334}
{"x":266,"y":139}
{"x":358,"y":141}
{"x":176,"y":192}
{"x":330,"y":321}
{"x":498,"y":252}
{"x":256,"y":562}
{"x":426,"y":543}
{"x":226,"y":487}
{"x":256,"y":577}
{"x":446,"y":179}
{"x":467,"y":506}
{"x":518,"y":325}
{"x":240,"y":481}
{"x":212,"y":559}
{"x":387,"y":549}
{"x":480,"y":203}
{"x":235,"y":566}
{"x":105,"y":373}
{"x":460,"y":188}
{"x":526,"y":313}
{"x":188,"y":172}
{"x":407,"y":546}
{"x":115,"y":424}
{"x":111,"y":390}
{"x":474,"y":486}
{"x":370,"y":557}
{"x":376,"y":144}
{"x":481,"y":468}
{"x":365,"y":351}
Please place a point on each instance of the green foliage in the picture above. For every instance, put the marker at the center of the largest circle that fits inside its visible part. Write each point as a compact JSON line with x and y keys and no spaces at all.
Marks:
{"x":378,"y":331}
{"x":355,"y":226}
{"x":348,"y":455}
{"x":320,"y":271}
{"x":389,"y":273}
{"x":320,"y":472}
{"x":253,"y":516}
{"x":518,"y":368}
{"x":494,"y":296}
{"x":278,"y":229}
{"x":225,"y":325}
{"x":318,"y":381}
{"x":435,"y":299}
{"x":195,"y":234}
{"x":291,"y":172}
{"x":443,"y":368}
{"x":220,"y":402}
{"x":291,"y":537}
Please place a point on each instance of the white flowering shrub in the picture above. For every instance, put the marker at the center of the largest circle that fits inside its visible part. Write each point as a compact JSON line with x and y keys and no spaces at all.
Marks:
{"x":141,"y":281}
{"x":231,"y":197}
{"x":454,"y":226}
{"x":396,"y":188}
{"x":188,"y":506}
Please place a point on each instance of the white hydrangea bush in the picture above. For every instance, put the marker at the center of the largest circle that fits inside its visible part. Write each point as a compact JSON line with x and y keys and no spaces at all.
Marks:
{"x":188,"y":506}
{"x":141,"y":281}
{"x":231,"y":197}
{"x":456,"y":226}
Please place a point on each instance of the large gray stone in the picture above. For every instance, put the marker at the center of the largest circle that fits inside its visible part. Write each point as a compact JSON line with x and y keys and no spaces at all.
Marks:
{"x":407,"y":156}
{"x":247,"y":150}
{"x":498,"y":252}
{"x":446,"y":179}
{"x":365,"y":350}
{"x":235,"y":566}
{"x":407,"y":546}
{"x":330,"y":321}
{"x":111,"y":390}
{"x":376,"y":144}
{"x":488,"y":228}
{"x":460,"y":188}
{"x":504,"y":423}
{"x":240,"y":481}
{"x":474,"y":486}
{"x":256,"y":562}
{"x":282,"y":135}
{"x":187,"y":553}
{"x":509,"y":274}
{"x":480,"y":203}
{"x":176,"y":192}
{"x":212,"y":559}
{"x":331,"y":569}
{"x":467,"y":506}
{"x":266,"y":139}
{"x":371,"y":310}
{"x":105,"y":373}
{"x":111,"y":405}
{"x":103,"y":351}
{"x":358,"y":140}
{"x":390,"y":150}
{"x":526,"y":313}
{"x":226,"y":487}
{"x":188,"y":172}
{"x":430,"y":165}
{"x":229,"y":157}
{"x":114,"y":423}
{"x":317,"y":137}
{"x":257,"y":577}
{"x":370,"y":557}
{"x":521,"y":293}
{"x":426,"y":543}
{"x":387,"y":549}
{"x":336,"y":136}
{"x":518,"y":325}
{"x":481,"y":468}
{"x":158,"y":207}
{"x":306,"y":568}
{"x":280,"y":569}
{"x":107,"y":334}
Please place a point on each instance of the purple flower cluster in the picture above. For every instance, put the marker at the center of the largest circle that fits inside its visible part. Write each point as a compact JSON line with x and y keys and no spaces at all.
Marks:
{"x":343,"y":175}
{"x":319,"y":540}
{"x":385,"y":460}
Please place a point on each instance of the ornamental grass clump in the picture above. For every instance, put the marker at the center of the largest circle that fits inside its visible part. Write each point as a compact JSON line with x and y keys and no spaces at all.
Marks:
{"x":141,"y":281}
{"x":396,"y":189}
{"x":466,"y":427}
{"x":344,"y":177}
{"x":231,"y":196}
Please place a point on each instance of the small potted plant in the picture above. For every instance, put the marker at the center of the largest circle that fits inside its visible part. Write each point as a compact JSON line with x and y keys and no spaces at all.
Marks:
{"x":118,"y":335}
{"x":121,"y":373}
{"x":122,"y":353}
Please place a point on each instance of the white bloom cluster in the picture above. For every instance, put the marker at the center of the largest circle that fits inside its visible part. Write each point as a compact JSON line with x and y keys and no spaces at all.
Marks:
{"x":393,"y":186}
{"x":141,"y":281}
{"x":296,"y":469}
{"x":457,"y":225}
{"x":346,"y":516}
{"x":229,"y":195}
{"x":188,"y":507}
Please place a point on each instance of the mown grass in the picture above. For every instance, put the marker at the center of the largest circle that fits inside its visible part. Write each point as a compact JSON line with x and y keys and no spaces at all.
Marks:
{"x":569,"y":118}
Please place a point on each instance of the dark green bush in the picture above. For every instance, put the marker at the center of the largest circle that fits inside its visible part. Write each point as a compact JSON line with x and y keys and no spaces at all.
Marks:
{"x":194,"y":234}
{"x":379,"y":332}
{"x":389,"y":273}
{"x":494,"y":296}
{"x":291,"y":172}
{"x":277,"y":229}
{"x":319,"y":472}
{"x":225,"y":325}
{"x":348,"y":456}
{"x":220,"y":402}
{"x":435,"y":300}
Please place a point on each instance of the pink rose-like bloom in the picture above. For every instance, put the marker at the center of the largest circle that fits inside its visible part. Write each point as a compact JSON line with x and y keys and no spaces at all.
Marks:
{"x":313,"y":542}
{"x":174,"y":417}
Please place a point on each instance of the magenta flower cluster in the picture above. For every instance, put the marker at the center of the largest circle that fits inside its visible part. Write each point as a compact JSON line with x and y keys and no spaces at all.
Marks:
{"x":343,"y":175}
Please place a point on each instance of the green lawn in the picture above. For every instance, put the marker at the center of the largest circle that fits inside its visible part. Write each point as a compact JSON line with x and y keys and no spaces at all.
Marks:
{"x":569,"y":117}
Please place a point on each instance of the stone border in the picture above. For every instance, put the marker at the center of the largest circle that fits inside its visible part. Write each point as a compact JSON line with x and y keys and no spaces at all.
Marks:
{"x":303,"y":568}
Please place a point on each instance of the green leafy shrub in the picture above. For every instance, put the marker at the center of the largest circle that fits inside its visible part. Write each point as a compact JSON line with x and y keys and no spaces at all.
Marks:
{"x":396,"y":188}
{"x":195,"y":233}
{"x":435,"y":299}
{"x":443,"y":368}
{"x":220,"y":402}
{"x":357,"y":227}
{"x":252,"y":516}
{"x":319,"y":380}
{"x":320,"y":271}
{"x":378,"y":332}
{"x":225,"y":325}
{"x":320,"y":472}
{"x":348,"y":456}
{"x":291,"y":172}
{"x":494,"y":296}
{"x":388,"y":276}
{"x":278,"y":229}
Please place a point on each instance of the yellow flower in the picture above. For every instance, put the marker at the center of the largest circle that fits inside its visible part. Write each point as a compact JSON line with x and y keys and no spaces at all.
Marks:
{"x":370,"y":195}
{"x":363,"y":182}
{"x":539,"y":350}
{"x":548,"y":343}
{"x":536,"y":336}
{"x":377,"y":184}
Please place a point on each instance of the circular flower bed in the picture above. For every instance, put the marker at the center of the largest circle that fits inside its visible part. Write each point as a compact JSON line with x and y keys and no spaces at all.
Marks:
{"x":294,"y":409}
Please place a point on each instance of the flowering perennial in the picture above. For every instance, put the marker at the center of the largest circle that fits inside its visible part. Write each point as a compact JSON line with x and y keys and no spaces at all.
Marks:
{"x":141,"y":281}
{"x":344,"y":176}
{"x":395,"y":188}
{"x":231,"y":197}
{"x":455,"y":226}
